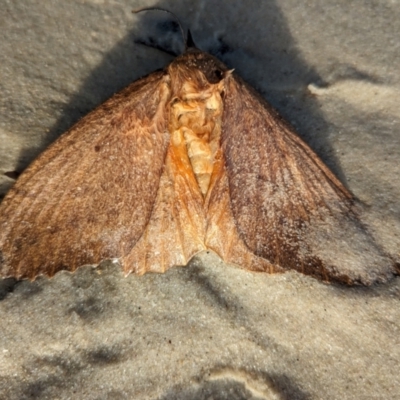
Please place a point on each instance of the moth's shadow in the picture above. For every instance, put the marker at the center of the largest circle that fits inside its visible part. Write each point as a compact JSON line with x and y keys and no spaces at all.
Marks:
{"x":261,"y":49}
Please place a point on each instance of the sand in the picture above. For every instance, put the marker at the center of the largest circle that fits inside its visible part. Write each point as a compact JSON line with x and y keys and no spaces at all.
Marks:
{"x":208,"y":330}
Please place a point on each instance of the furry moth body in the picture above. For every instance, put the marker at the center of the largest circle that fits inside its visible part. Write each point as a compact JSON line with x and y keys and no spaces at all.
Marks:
{"x":184,"y":160}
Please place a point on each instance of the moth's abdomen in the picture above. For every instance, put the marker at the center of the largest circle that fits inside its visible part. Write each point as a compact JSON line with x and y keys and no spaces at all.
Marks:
{"x":195,"y":124}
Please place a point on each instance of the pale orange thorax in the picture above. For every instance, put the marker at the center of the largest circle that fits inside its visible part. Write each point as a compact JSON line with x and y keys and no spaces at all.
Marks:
{"x":195,"y":127}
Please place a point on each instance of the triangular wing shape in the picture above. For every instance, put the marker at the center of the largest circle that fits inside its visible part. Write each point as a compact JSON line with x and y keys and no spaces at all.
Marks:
{"x":288,"y":206}
{"x":90,"y":195}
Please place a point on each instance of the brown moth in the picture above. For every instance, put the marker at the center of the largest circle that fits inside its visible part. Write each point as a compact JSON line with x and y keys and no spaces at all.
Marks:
{"x":184,"y":160}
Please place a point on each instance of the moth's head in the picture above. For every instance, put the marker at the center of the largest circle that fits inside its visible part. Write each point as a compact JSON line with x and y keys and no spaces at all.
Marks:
{"x":194,"y":59}
{"x":198,"y":69}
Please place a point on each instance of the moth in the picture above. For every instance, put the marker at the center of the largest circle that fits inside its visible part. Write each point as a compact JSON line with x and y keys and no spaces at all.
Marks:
{"x":186,"y":159}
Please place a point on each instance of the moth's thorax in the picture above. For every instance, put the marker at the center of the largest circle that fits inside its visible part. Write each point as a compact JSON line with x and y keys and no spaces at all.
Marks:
{"x":195,"y":127}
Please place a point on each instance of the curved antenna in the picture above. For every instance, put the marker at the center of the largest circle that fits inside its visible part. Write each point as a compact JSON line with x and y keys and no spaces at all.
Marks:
{"x":189,"y":40}
{"x":169,"y":12}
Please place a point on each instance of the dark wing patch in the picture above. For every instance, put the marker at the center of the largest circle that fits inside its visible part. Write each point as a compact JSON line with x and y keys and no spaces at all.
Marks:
{"x":288,"y":207}
{"x":90,"y":195}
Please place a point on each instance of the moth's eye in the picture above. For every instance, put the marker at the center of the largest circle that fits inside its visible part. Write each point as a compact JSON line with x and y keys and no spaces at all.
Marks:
{"x":222,"y":94}
{"x":218,"y":74}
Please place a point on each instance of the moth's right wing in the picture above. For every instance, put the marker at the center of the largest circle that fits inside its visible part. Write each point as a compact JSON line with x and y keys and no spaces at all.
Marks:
{"x":90,"y":195}
{"x":288,"y":207}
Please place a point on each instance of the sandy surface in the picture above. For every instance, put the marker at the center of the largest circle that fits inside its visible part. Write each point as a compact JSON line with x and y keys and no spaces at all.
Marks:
{"x":210,"y":330}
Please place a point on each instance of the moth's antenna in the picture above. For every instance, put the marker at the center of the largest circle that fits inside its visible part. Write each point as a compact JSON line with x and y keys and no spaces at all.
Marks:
{"x":189,"y":41}
{"x":185,"y":41}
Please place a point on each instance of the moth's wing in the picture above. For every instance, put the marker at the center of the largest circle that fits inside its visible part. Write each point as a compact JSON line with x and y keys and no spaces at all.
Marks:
{"x":90,"y":195}
{"x":287,"y":205}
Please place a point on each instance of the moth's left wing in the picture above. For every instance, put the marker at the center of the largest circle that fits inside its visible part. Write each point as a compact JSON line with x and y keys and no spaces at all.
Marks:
{"x":90,"y":195}
{"x":287,"y":205}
